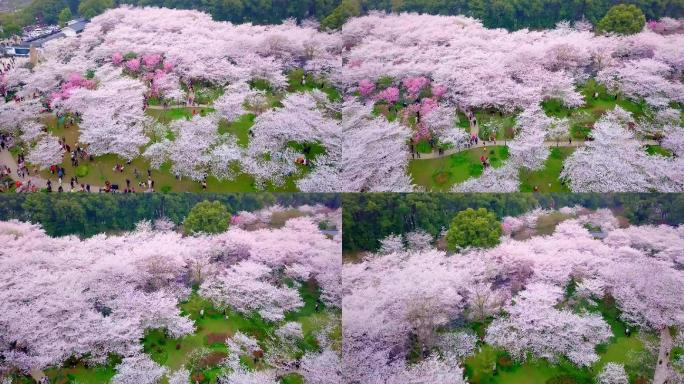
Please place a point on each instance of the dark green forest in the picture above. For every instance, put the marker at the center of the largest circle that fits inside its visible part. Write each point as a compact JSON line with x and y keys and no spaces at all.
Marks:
{"x":510,"y":14}
{"x":89,"y":214}
{"x":367,"y":218}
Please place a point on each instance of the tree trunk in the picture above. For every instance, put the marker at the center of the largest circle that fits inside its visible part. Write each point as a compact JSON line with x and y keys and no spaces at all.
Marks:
{"x":662,"y":371}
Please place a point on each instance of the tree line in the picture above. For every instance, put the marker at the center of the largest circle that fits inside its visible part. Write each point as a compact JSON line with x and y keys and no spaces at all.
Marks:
{"x":509,"y":14}
{"x":90,"y":214}
{"x":368,"y":218}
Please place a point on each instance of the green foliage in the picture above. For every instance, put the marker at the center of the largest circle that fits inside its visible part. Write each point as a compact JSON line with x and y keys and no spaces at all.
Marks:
{"x":207,"y":217}
{"x":368,"y":218}
{"x":510,"y":14}
{"x":424,"y":146}
{"x":474,"y":228}
{"x":441,"y":173}
{"x":344,"y":11}
{"x":89,"y":214}
{"x":64,"y":16}
{"x":82,"y":170}
{"x":624,"y":19}
{"x":92,"y":8}
{"x":657,"y":150}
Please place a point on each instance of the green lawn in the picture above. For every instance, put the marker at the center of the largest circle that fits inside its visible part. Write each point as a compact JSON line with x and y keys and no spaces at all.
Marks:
{"x":620,"y":349}
{"x":547,"y":178}
{"x":168,"y":115}
{"x":78,"y":372}
{"x":102,"y":168}
{"x":239,"y":128}
{"x":658,"y":150}
{"x":501,"y":124}
{"x":442,"y":173}
{"x":212,"y":328}
{"x":294,"y":82}
{"x":205,"y":93}
{"x":583,"y":118}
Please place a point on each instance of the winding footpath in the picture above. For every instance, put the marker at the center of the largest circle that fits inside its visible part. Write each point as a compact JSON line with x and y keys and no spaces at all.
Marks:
{"x":161,"y":107}
{"x":6,"y":158}
{"x":475,"y":131}
{"x":484,"y":144}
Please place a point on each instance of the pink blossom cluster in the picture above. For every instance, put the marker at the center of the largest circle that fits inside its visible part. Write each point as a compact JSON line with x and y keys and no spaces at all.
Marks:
{"x":73,"y":82}
{"x":133,"y":65}
{"x":366,"y":87}
{"x":427,"y":105}
{"x":117,"y":58}
{"x":414,"y":85}
{"x":422,"y":133}
{"x":151,"y":68}
{"x":151,"y":61}
{"x":390,"y":95}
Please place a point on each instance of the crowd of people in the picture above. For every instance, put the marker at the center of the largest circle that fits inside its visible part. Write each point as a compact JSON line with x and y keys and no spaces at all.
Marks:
{"x":6,"y":64}
{"x":25,"y":180}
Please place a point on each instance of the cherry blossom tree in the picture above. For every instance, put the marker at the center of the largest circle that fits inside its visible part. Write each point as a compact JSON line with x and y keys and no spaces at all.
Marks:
{"x":418,"y":240}
{"x":231,"y":104}
{"x":391,"y":244}
{"x":535,"y":326}
{"x":138,"y":369}
{"x":613,"y":373}
{"x":321,"y":368}
{"x":502,"y":179}
{"x":90,"y":298}
{"x":112,"y":118}
{"x":245,"y":288}
{"x":181,"y":376}
{"x":375,"y":152}
{"x":243,"y":376}
{"x":47,"y":151}
{"x":615,"y":161}
{"x":305,"y":118}
{"x":398,"y":298}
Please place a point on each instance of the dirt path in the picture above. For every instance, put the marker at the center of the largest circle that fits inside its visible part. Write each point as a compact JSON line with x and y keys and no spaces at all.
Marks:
{"x":6,"y":159}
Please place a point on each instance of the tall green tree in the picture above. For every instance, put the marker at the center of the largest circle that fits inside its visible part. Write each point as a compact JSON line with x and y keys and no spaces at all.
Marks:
{"x":625,"y":19}
{"x":207,"y":217}
{"x":64,"y":16}
{"x":92,"y":8}
{"x":337,"y":18}
{"x":473,"y":228}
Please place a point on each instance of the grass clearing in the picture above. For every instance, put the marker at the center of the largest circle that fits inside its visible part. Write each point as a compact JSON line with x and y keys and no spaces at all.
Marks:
{"x":547,"y":178}
{"x":440,"y":174}
{"x":597,"y":102}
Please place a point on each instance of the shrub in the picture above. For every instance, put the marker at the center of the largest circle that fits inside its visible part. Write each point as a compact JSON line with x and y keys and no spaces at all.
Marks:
{"x":82,"y":170}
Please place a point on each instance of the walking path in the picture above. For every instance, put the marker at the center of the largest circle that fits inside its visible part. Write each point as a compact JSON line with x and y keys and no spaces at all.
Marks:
{"x":662,"y":371}
{"x":481,"y":144}
{"x":6,"y":159}
{"x":161,"y":107}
